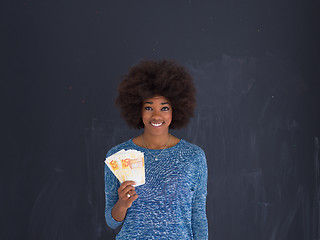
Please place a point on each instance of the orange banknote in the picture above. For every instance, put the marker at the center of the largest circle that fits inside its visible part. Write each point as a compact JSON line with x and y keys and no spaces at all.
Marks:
{"x":127,"y":165}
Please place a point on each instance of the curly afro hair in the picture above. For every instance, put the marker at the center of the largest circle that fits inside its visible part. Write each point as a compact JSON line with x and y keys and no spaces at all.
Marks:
{"x":156,"y":78}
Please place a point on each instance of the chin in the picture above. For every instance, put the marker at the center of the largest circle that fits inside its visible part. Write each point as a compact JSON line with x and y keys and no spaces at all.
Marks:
{"x":157,"y":131}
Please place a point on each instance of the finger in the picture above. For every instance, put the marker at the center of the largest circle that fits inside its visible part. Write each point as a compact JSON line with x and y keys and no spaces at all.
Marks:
{"x":125,"y":197}
{"x":125,"y":184}
{"x":131,"y":199}
{"x":130,"y":193}
{"x":126,"y":191}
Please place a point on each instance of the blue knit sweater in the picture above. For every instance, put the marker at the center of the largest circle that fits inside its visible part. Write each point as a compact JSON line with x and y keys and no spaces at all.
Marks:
{"x":172,"y":202}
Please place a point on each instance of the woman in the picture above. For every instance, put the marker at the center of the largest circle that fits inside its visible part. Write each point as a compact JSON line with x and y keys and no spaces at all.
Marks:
{"x":158,"y":96}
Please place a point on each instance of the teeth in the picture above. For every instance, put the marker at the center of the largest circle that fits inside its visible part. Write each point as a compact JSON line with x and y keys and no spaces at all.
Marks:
{"x":156,"y":124}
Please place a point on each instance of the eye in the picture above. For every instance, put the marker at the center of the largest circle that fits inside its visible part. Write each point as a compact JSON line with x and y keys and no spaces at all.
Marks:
{"x":148,"y":108}
{"x":165,"y":109}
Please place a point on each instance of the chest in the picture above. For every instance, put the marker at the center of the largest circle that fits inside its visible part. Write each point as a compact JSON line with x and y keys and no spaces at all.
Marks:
{"x":168,"y":179}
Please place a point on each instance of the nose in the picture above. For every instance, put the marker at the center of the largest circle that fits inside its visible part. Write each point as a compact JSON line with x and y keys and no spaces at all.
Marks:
{"x":156,"y":115}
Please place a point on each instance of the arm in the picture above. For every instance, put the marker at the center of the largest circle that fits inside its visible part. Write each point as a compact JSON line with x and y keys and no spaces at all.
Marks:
{"x":117,"y":201}
{"x":199,"y":217}
{"x":111,"y":196}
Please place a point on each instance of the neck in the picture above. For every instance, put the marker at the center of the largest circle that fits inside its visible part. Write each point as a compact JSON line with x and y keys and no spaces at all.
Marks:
{"x":155,"y":142}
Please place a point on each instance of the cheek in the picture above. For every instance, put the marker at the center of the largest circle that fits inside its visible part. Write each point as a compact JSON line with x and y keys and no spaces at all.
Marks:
{"x":169,"y":117}
{"x":145,"y":116}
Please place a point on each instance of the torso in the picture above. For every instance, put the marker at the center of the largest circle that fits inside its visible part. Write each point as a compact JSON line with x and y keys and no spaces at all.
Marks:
{"x":164,"y":208}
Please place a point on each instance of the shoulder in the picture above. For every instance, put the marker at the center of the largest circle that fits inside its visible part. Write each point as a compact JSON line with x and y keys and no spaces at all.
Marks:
{"x":125,"y":145}
{"x":192,"y":148}
{"x":194,"y":155}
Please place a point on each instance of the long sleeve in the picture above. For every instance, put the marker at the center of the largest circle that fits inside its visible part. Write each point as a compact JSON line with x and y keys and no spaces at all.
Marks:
{"x":171,"y":203}
{"x":199,"y":218}
{"x":111,"y":196}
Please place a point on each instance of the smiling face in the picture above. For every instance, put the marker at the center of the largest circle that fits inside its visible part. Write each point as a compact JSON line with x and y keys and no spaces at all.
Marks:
{"x":156,"y":115}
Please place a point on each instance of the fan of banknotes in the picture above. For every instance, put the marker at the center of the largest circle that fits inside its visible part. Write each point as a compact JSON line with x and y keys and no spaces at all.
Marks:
{"x":127,"y":165}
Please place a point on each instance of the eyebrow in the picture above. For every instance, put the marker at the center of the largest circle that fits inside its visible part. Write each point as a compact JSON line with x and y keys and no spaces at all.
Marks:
{"x":163,"y":103}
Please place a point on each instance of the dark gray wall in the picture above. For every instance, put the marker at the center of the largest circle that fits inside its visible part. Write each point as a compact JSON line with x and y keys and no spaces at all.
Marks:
{"x":256,"y":68}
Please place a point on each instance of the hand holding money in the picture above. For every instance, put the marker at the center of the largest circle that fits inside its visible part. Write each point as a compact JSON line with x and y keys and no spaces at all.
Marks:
{"x":128,"y":167}
{"x":127,"y":195}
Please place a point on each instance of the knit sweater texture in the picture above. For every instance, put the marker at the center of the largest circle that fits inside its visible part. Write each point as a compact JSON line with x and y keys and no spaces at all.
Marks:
{"x":171,"y":203}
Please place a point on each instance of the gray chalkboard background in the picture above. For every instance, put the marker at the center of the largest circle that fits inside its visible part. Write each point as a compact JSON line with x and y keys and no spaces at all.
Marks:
{"x":256,"y":68}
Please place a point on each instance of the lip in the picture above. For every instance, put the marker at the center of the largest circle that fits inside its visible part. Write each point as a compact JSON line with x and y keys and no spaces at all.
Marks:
{"x":156,"y":124}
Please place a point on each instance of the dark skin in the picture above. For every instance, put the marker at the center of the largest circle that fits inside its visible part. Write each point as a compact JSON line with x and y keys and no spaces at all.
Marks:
{"x":156,"y":116}
{"x":124,"y":202}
